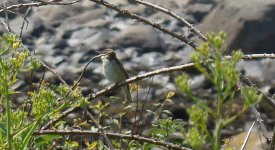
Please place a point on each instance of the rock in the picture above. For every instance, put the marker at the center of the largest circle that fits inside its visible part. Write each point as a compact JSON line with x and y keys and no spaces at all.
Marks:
{"x":60,"y":44}
{"x":149,"y":60}
{"x":190,"y":2}
{"x":54,"y":15}
{"x":139,"y":36}
{"x":37,"y":27}
{"x":198,"y":11}
{"x":249,"y":24}
{"x":255,"y":141}
{"x":82,"y":19}
{"x":97,"y":23}
{"x":252,"y":70}
{"x":269,"y":70}
{"x":83,"y":33}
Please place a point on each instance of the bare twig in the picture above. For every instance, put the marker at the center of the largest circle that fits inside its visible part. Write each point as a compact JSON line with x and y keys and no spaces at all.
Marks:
{"x":143,"y":105}
{"x":260,"y":121}
{"x":6,"y":20}
{"x":172,"y":14}
{"x":113,"y":136}
{"x":25,"y":20}
{"x":79,"y":78}
{"x":54,"y":72}
{"x":247,"y":136}
{"x":64,"y":114}
{"x":141,"y":19}
{"x":101,"y":130}
{"x":255,"y":56}
{"x":37,"y":4}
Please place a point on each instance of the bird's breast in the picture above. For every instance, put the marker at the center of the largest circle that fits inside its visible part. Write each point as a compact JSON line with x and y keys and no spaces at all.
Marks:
{"x":113,"y":72}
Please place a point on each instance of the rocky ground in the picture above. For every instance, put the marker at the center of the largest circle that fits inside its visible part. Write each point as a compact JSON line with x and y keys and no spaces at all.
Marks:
{"x":66,"y":37}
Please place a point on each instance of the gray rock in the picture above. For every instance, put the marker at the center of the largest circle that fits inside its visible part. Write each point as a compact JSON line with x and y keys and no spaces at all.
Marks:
{"x":269,"y":70}
{"x":83,"y":33}
{"x":199,"y":11}
{"x":149,"y":60}
{"x":82,"y":19}
{"x":55,"y":15}
{"x":249,"y":24}
{"x":141,"y":37}
{"x":253,"y":70}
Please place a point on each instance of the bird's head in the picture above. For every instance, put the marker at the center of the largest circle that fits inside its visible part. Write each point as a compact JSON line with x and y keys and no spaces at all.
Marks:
{"x":108,"y":54}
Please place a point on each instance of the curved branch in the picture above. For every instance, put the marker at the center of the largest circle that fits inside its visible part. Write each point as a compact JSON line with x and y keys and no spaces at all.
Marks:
{"x":113,"y":136}
{"x":37,"y":4}
{"x":174,"y":15}
{"x":141,"y":19}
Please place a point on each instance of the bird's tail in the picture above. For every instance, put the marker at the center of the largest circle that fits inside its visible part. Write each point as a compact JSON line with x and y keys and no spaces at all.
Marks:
{"x":126,"y":90}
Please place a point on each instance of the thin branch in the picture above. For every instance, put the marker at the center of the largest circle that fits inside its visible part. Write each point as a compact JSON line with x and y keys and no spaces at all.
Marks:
{"x":79,"y":78}
{"x":54,"y":72}
{"x":255,"y":56}
{"x":247,"y":136}
{"x":64,"y":114}
{"x":146,"y":75}
{"x":113,"y":136}
{"x":24,"y":20}
{"x":6,"y":21}
{"x":22,"y":16}
{"x":37,"y":4}
{"x":147,"y":22}
{"x":174,"y":15}
{"x":101,"y":130}
{"x":260,"y":121}
{"x":143,"y":105}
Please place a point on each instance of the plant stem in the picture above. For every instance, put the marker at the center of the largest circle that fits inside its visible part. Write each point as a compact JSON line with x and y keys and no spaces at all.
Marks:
{"x":6,"y":95}
{"x":217,"y":135}
{"x":218,"y":125}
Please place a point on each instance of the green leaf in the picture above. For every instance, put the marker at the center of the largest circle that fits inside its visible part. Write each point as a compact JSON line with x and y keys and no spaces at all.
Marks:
{"x":183,"y":83}
{"x":46,"y":139}
{"x":250,"y":95}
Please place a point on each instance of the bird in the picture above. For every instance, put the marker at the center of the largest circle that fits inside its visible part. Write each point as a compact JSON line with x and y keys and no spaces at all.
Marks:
{"x":114,"y":70}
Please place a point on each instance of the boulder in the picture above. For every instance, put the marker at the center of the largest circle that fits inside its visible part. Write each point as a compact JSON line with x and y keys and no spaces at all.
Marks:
{"x":249,"y":24}
{"x":139,"y":36}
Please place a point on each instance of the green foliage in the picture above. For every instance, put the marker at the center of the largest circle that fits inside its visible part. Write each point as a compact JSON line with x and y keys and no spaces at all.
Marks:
{"x":198,"y":117}
{"x":195,"y":139}
{"x":44,"y":140}
{"x":196,"y":136}
{"x":223,"y":74}
{"x":47,"y":102}
{"x":18,"y":123}
{"x":164,"y":128}
{"x":250,"y":96}
{"x":183,"y":83}
{"x":16,"y":127}
{"x":43,"y":102}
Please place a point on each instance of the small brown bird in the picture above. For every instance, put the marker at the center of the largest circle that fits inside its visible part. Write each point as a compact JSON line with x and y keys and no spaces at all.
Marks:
{"x":114,"y":70}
